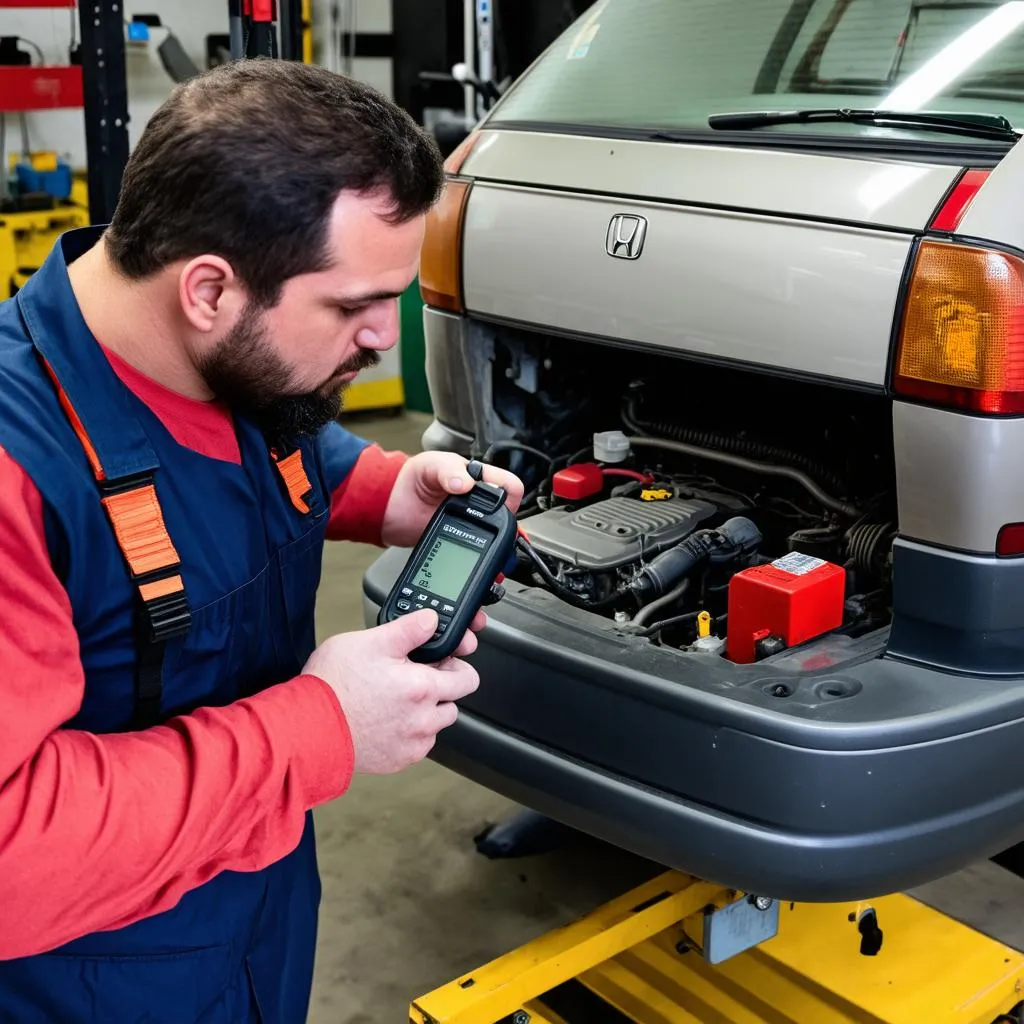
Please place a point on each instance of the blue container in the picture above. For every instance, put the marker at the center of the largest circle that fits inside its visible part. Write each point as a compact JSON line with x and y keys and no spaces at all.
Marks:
{"x":56,"y":183}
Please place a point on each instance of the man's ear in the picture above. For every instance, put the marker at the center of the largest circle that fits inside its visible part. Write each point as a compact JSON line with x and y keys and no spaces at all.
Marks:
{"x":209,"y":293}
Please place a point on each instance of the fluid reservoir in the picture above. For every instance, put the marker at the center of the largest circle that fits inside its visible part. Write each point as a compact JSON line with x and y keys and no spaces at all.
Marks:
{"x":611,"y":446}
{"x":705,"y":642}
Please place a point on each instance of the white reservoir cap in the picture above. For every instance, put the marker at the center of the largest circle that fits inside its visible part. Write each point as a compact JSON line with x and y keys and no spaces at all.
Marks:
{"x":611,"y":446}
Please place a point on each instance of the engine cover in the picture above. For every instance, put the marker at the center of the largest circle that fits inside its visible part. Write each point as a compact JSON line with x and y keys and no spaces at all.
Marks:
{"x":616,"y":531}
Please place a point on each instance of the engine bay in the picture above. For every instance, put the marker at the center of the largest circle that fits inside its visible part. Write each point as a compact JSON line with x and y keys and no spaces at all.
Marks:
{"x":708,"y":509}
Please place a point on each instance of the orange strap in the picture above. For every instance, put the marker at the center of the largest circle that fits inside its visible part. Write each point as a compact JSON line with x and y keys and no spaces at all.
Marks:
{"x":141,"y":533}
{"x":139,"y":525}
{"x":162,"y":588}
{"x":135,"y":514}
{"x":76,"y":424}
{"x":294,"y":475}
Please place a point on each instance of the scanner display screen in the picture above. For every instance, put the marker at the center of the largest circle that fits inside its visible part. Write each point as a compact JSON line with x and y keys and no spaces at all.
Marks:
{"x":446,"y":569}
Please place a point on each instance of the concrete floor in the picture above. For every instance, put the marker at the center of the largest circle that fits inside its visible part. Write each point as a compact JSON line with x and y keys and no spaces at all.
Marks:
{"x":408,"y":904}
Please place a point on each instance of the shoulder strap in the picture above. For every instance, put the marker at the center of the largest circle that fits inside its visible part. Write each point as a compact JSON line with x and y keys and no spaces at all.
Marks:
{"x":293,"y":473}
{"x":162,"y":608}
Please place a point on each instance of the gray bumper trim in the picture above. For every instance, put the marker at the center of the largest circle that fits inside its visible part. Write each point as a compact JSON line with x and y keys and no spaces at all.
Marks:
{"x":708,"y":843}
{"x":958,"y":612}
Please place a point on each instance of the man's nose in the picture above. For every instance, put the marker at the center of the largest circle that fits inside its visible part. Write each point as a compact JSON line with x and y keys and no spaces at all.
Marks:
{"x":380,"y":331}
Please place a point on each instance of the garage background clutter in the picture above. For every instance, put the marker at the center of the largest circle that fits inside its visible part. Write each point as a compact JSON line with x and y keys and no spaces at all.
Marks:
{"x":405,"y":48}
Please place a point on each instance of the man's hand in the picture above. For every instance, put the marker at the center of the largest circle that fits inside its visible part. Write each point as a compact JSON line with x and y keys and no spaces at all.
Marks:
{"x":394,"y":707}
{"x":424,"y":482}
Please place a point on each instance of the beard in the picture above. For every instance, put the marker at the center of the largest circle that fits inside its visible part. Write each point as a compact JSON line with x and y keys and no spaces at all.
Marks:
{"x":245,"y":373}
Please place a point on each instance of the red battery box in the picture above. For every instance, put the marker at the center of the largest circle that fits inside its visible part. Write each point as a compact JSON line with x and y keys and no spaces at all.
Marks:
{"x":796,"y":598}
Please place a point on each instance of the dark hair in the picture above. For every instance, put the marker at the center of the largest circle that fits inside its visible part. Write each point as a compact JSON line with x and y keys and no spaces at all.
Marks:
{"x":246,"y":161}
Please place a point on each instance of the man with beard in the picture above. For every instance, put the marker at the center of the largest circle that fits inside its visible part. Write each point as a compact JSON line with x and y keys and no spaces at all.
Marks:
{"x":170,"y":465}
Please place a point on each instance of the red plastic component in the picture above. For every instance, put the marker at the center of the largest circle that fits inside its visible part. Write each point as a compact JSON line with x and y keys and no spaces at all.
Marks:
{"x":40,"y":88}
{"x":1011,"y":539}
{"x":796,"y":598}
{"x":579,"y":481}
{"x":37,"y":3}
{"x":953,"y":209}
{"x":629,"y":474}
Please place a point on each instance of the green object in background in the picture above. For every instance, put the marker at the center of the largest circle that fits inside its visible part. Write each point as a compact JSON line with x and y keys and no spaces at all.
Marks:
{"x":414,"y":351}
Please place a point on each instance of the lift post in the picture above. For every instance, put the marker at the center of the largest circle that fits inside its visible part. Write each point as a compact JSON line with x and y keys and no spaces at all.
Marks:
{"x":644,"y":958}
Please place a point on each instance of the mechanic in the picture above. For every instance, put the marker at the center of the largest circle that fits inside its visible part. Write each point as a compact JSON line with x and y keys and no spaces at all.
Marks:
{"x":171,"y":463}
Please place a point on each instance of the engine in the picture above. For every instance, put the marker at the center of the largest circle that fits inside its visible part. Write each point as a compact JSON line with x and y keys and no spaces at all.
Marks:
{"x":616,"y":533}
{"x":672,"y":556}
{"x":706,"y":508}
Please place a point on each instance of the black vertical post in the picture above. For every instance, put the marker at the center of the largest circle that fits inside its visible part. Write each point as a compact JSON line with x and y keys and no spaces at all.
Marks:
{"x":236,"y":35}
{"x":291,"y":29}
{"x":105,"y":85}
{"x":427,"y":36}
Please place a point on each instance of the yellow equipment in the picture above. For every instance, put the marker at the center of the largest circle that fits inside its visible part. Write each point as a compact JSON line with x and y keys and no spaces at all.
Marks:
{"x":307,"y":31}
{"x":26,"y":239}
{"x":677,"y":950}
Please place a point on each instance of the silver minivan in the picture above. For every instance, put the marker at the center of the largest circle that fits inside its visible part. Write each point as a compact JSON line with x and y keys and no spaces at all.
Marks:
{"x":738,"y":289}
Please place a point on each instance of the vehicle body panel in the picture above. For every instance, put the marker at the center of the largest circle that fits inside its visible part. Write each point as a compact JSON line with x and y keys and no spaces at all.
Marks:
{"x":815,"y":299}
{"x":951,"y":472}
{"x":899,"y":194}
{"x":997,"y":214}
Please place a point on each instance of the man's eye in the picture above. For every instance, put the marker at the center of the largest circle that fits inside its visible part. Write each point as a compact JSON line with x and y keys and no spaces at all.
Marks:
{"x":350,"y":310}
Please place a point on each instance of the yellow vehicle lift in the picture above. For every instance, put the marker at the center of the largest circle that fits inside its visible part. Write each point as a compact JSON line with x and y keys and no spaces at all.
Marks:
{"x":678,"y":950}
{"x":27,"y":237}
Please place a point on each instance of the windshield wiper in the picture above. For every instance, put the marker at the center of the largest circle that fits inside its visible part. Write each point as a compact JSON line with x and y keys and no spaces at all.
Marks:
{"x":982,"y":126}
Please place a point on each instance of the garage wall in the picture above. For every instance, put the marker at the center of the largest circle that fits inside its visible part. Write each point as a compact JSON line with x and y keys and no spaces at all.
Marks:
{"x":148,"y":84}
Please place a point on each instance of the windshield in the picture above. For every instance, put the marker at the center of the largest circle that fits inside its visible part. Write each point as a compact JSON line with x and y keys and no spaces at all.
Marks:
{"x":669,"y":64}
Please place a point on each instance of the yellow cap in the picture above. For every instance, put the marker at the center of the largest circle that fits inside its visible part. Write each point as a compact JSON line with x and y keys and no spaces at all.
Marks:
{"x":655,"y":494}
{"x":703,"y":624}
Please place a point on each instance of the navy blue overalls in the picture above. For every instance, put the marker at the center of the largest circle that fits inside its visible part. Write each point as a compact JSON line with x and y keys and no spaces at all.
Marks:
{"x":231,"y":615}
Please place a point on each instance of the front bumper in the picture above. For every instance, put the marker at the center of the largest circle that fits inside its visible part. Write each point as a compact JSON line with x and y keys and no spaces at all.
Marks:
{"x":870,"y":776}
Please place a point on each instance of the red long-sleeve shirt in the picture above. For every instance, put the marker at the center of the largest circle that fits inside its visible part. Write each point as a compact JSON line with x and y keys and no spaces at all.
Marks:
{"x":98,"y":831}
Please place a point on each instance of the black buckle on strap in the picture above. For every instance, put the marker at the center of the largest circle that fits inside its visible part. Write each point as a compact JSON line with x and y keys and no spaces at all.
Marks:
{"x":166,"y":617}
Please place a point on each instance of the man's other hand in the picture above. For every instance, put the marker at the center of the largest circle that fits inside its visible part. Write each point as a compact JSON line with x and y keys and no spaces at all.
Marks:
{"x":394,"y":707}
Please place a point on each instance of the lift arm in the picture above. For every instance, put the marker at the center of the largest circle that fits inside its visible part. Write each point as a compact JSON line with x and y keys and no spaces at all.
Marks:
{"x":644,"y":959}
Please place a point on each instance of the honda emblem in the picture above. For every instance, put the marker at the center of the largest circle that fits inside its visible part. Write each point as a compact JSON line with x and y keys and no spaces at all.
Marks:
{"x":626,"y":235}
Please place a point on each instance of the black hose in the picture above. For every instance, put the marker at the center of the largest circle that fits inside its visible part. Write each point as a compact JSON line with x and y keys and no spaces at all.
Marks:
{"x":868,"y":545}
{"x":734,"y":445}
{"x":514,"y":446}
{"x":796,"y":475}
{"x":676,"y":620}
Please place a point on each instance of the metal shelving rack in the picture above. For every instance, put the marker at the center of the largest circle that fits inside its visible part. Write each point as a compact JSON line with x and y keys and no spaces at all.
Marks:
{"x":105,"y":88}
{"x":97,"y":84}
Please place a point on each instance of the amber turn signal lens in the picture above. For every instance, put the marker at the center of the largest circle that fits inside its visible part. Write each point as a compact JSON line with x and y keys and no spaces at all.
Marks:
{"x":441,"y":255}
{"x":457,"y":157}
{"x":962,"y":338}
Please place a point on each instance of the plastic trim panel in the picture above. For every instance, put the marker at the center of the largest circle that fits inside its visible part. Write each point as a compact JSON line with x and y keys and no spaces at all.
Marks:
{"x":690,"y":761}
